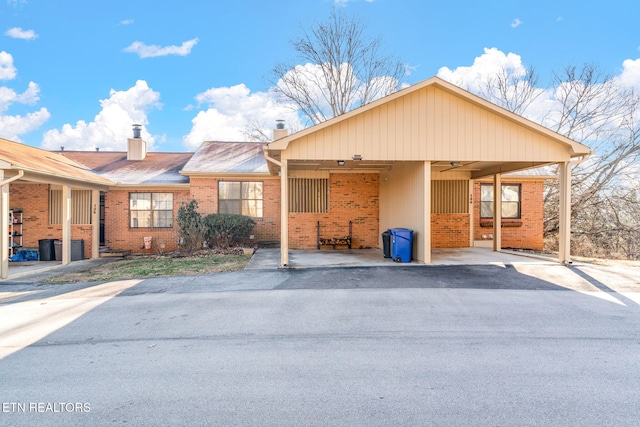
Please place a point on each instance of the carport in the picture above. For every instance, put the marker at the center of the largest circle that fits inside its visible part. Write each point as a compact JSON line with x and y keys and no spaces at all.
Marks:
{"x":420,"y":143}
{"x":22,"y":164}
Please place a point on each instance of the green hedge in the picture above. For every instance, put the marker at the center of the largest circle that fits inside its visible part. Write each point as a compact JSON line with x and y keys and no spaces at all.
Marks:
{"x":227,"y":230}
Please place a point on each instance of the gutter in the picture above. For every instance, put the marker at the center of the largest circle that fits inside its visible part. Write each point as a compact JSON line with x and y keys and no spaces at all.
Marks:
{"x":13,"y":178}
{"x":269,"y":158}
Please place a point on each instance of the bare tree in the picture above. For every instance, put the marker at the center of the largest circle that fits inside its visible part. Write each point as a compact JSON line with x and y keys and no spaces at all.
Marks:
{"x":512,"y":90}
{"x":590,"y":107}
{"x":341,"y":69}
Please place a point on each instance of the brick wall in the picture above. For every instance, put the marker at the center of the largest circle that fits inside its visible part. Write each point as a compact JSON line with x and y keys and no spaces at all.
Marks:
{"x":205,"y":191}
{"x":352,"y":197}
{"x":33,"y":200}
{"x":524,"y":233}
{"x":119,"y":236}
{"x":450,"y":230}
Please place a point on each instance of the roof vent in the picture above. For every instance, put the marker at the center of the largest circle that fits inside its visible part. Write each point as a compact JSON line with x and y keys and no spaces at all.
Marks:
{"x":136,"y":130}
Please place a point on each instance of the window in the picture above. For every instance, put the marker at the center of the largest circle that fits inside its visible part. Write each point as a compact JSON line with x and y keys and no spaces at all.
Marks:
{"x":153,"y":210}
{"x":510,"y":201}
{"x":80,"y":207}
{"x":309,"y":195}
{"x":243,"y":198}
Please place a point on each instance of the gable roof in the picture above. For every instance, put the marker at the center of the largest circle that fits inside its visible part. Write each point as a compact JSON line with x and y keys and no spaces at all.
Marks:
{"x":234,"y":158}
{"x":46,"y":165}
{"x":154,"y":169}
{"x":575,"y":148}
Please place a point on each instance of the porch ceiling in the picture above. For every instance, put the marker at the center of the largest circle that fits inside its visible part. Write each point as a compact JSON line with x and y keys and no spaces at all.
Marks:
{"x":475,"y":169}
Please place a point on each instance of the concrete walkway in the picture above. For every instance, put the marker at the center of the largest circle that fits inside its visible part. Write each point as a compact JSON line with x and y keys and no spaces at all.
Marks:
{"x":269,"y":258}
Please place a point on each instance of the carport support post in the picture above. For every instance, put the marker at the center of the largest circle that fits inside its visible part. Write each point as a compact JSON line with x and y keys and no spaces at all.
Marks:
{"x":95,"y":224}
{"x":426,"y":244}
{"x":66,"y":224}
{"x":4,"y":228}
{"x":564,"y":232}
{"x":284,"y":214}
{"x":497,"y":212}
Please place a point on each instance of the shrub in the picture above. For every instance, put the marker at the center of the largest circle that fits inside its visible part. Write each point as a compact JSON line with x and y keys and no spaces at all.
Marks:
{"x":191,"y":228}
{"x":227,"y":230}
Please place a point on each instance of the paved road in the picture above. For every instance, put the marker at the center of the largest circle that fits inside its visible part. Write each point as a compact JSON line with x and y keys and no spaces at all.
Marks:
{"x":464,"y":345}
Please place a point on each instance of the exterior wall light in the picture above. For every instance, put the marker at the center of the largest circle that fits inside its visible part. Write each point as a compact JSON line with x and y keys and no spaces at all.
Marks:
{"x":340,"y":162}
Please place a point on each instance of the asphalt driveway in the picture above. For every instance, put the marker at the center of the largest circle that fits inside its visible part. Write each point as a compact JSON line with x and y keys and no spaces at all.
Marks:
{"x":456,"y":345}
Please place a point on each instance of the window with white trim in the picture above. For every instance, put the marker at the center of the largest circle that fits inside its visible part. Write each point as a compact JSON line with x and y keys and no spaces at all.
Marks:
{"x":151,"y":210}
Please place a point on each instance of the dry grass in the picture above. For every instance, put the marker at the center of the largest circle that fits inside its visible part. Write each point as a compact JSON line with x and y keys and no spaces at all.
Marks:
{"x":137,"y":267}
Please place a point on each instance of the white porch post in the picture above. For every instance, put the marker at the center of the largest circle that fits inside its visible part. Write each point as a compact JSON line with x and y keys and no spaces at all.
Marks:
{"x":4,"y":229}
{"x":284,"y":213}
{"x":564,"y":236}
{"x":95,"y":224}
{"x":497,"y":212}
{"x":66,"y":224}
{"x":426,"y":244}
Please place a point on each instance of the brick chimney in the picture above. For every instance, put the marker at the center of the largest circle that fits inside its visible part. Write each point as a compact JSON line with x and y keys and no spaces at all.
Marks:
{"x":136,"y":146}
{"x":280,"y":131}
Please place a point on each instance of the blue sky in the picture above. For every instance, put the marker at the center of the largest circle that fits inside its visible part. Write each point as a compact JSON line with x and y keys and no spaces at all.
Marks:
{"x":78,"y":74}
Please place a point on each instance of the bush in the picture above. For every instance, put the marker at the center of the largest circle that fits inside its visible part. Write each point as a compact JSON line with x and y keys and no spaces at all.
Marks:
{"x":227,"y":230}
{"x":191,"y":228}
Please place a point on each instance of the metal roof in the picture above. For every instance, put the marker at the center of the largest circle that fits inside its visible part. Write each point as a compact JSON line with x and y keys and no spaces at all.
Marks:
{"x":215,"y":157}
{"x":46,"y":163}
{"x":154,"y":169}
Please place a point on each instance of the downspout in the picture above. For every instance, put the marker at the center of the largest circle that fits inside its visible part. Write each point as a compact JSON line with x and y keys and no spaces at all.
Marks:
{"x":13,"y":178}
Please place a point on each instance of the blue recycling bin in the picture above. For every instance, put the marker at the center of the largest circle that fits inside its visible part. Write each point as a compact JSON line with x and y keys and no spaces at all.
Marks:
{"x":401,"y":244}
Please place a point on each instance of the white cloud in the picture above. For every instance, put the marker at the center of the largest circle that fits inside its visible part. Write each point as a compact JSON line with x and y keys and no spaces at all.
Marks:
{"x":126,"y":22}
{"x":484,"y":66}
{"x":19,"y":33}
{"x":111,"y":127}
{"x":151,"y":51}
{"x":630,"y":75}
{"x":230,"y":110}
{"x":516,"y":23}
{"x":13,"y":126}
{"x":7,"y":70}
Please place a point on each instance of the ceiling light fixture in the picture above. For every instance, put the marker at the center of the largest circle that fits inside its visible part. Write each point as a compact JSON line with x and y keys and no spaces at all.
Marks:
{"x":454,"y":163}
{"x":340,"y":162}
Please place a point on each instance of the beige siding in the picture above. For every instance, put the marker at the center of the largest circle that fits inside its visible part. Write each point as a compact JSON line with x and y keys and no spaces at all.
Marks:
{"x":402,"y":202}
{"x":429,"y":124}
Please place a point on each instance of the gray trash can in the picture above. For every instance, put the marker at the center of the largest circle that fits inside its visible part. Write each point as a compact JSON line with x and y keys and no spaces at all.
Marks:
{"x":386,"y":244}
{"x":77,"y":250}
{"x":57,"y":249}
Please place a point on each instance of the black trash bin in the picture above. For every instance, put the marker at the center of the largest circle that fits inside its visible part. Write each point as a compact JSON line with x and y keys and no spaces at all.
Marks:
{"x":386,"y":244}
{"x":45,"y":247}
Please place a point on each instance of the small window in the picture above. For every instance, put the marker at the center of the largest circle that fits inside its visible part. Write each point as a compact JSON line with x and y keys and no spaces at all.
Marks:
{"x":510,"y":201}
{"x":151,"y":210}
{"x":242,"y":198}
{"x":308,"y":195}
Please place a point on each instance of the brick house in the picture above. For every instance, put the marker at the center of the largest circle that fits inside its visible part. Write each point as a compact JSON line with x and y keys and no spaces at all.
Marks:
{"x":429,"y":157}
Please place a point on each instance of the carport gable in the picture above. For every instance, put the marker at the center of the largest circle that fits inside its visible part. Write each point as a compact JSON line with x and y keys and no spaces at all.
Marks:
{"x":429,"y":131}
